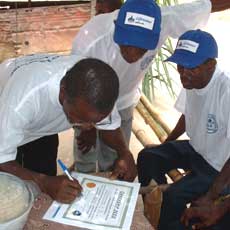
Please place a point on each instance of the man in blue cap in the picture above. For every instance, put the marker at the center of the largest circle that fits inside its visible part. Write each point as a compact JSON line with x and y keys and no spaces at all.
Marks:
{"x":205,"y":119}
{"x":128,"y":39}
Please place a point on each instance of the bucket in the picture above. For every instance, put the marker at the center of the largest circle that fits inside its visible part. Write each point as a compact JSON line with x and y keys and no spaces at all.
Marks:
{"x":16,"y":201}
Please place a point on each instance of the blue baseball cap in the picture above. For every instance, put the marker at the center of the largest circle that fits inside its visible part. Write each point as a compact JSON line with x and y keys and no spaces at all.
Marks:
{"x":138,"y":24}
{"x":193,"y":48}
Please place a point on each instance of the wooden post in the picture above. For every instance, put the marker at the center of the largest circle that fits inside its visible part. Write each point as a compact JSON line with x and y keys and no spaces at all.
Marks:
{"x":154,"y":114}
{"x":145,"y":108}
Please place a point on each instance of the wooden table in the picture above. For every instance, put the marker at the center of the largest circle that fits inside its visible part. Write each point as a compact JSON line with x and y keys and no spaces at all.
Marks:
{"x":43,"y":202}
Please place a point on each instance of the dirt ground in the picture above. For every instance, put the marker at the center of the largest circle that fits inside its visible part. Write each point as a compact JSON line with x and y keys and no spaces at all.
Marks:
{"x":219,"y":26}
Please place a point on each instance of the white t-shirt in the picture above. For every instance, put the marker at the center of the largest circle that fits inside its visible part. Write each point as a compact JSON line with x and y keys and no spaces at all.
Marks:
{"x":207,"y":117}
{"x":95,"y":39}
{"x":29,"y":101}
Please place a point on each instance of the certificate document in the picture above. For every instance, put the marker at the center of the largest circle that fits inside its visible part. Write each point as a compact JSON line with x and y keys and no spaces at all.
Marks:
{"x":104,"y":204}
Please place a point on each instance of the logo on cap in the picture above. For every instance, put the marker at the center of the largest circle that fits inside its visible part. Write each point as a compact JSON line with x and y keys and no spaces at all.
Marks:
{"x":131,"y":19}
{"x":140,"y":20}
{"x":187,"y":45}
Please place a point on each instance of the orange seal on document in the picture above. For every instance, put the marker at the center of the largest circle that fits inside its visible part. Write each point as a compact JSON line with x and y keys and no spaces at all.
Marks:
{"x":91,"y":185}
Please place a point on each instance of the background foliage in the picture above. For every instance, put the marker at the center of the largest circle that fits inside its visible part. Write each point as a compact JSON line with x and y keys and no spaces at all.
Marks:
{"x":159,"y":72}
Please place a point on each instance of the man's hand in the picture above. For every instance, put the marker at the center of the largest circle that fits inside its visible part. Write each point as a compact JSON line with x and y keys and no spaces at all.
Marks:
{"x":61,"y":188}
{"x":124,"y":168}
{"x":206,"y":215}
{"x":86,"y":140}
{"x":205,"y":200}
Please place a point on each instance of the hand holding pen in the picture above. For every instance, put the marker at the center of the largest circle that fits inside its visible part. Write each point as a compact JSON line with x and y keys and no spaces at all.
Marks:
{"x":65,"y":169}
{"x":62,"y":188}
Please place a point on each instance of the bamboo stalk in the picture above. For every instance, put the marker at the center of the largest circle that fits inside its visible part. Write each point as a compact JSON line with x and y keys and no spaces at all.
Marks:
{"x":144,"y":139}
{"x":154,"y":114}
{"x":140,"y":133}
{"x":161,"y":134}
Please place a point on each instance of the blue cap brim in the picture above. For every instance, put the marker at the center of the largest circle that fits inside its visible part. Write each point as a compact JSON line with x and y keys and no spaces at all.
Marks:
{"x":135,"y":38}
{"x":186,"y":60}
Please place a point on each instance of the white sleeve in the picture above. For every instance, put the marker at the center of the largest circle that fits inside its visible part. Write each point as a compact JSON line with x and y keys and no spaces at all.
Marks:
{"x":91,"y":32}
{"x":5,"y":72}
{"x":11,"y":133}
{"x":181,"y":101}
{"x":111,"y":122}
{"x":179,"y":18}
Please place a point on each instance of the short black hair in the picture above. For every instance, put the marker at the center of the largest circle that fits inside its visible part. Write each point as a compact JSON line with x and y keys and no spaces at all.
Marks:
{"x":113,"y":4}
{"x":93,"y":81}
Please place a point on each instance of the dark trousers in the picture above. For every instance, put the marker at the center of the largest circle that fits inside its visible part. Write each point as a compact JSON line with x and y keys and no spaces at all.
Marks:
{"x":40,"y":155}
{"x":154,"y":163}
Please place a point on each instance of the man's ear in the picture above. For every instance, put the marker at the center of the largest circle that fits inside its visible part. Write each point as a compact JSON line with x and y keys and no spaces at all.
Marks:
{"x":211,"y":63}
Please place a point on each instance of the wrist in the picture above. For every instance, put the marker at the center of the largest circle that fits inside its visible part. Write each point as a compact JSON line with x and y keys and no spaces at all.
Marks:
{"x":223,"y":203}
{"x":124,"y":153}
{"x":42,"y":181}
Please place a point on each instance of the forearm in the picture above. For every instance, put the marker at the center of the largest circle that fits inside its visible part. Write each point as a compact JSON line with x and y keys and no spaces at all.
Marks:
{"x":219,"y":5}
{"x":60,"y":188}
{"x":14,"y":168}
{"x":221,"y":181}
{"x":178,"y":130}
{"x":115,"y":140}
{"x":124,"y":166}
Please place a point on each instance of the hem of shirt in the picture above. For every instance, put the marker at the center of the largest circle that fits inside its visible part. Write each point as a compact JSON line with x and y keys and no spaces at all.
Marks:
{"x":4,"y":159}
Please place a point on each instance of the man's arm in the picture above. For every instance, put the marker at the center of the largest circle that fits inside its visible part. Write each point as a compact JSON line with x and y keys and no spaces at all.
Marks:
{"x":125,"y":165}
{"x":206,"y":209}
{"x":206,"y":215}
{"x":221,"y":181}
{"x":178,"y":130}
{"x":219,"y":5}
{"x":59,"y":188}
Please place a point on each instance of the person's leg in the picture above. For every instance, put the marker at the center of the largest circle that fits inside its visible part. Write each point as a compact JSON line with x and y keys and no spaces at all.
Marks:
{"x":155,"y":162}
{"x":102,"y":154}
{"x":84,"y":162}
{"x":40,"y":155}
{"x":182,"y":192}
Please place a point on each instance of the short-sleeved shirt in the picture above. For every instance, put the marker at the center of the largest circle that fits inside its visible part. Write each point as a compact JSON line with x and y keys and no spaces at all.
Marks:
{"x":29,"y":100}
{"x":207,"y":117}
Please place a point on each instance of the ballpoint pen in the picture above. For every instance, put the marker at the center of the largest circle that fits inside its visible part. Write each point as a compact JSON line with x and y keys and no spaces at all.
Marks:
{"x":65,"y":169}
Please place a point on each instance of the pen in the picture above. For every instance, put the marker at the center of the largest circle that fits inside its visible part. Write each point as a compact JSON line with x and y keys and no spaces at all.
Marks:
{"x":64,"y":169}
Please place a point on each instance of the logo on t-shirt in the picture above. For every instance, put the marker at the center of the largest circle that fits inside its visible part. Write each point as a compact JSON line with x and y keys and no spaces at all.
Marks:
{"x":145,"y":63}
{"x":212,"y":125}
